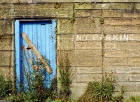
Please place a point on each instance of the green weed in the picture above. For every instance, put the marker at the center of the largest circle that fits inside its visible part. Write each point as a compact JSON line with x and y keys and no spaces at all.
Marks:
{"x":101,"y":91}
{"x":6,"y":87}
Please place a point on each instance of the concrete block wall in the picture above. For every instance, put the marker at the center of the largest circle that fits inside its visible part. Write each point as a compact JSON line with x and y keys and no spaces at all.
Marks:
{"x":99,"y":36}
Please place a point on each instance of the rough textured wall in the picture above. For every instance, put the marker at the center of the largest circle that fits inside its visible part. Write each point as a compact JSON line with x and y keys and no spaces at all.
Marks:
{"x":99,"y":37}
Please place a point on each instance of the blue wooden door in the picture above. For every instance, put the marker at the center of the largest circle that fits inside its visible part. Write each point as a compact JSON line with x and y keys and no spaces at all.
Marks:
{"x":42,"y":35}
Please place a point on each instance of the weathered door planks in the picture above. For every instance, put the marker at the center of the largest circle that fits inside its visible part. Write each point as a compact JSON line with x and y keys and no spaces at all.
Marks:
{"x":42,"y":35}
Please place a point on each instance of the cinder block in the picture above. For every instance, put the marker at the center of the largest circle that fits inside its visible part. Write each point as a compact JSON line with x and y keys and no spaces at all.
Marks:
{"x":115,"y":62}
{"x":116,"y":53}
{"x":89,"y":70}
{"x":121,"y":37}
{"x":128,"y":86}
{"x":122,"y":77}
{"x":87,"y":13}
{"x":117,"y":69}
{"x":88,"y":45}
{"x":7,"y":43}
{"x":122,"y":70}
{"x":118,"y":21}
{"x":127,"y":6}
{"x":137,"y":6}
{"x":127,"y":95}
{"x":4,"y":10}
{"x":82,"y":58}
{"x":114,"y":45}
{"x":129,"y":13}
{"x":39,"y":10}
{"x":136,"y":13}
{"x":7,"y":72}
{"x":112,"y":13}
{"x":6,"y":58}
{"x":85,"y":78}
{"x":83,"y":5}
{"x":65,"y":42}
{"x":88,"y":37}
{"x":135,"y":70}
{"x":5,"y":27}
{"x":78,"y":89}
{"x":65,"y":26}
{"x":122,"y":45}
{"x":135,"y":78}
{"x":134,"y":62}
{"x":135,"y":21}
{"x":135,"y":29}
{"x":87,"y":25}
{"x":119,"y":29}
{"x":133,"y":53}
{"x":108,"y":29}
{"x":87,"y":58}
{"x":103,"y":6}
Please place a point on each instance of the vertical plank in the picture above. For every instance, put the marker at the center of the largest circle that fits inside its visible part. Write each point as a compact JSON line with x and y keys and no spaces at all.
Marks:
{"x":17,"y":54}
{"x":53,"y":49}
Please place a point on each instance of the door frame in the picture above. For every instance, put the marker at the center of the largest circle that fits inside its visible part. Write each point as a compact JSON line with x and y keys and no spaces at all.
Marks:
{"x":18,"y":58}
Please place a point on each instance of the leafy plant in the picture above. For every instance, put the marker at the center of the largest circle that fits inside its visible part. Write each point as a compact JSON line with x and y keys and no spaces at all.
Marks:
{"x":65,"y":78}
{"x":133,"y":99}
{"x":35,"y":88}
{"x":101,"y":91}
{"x":6,"y":87}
